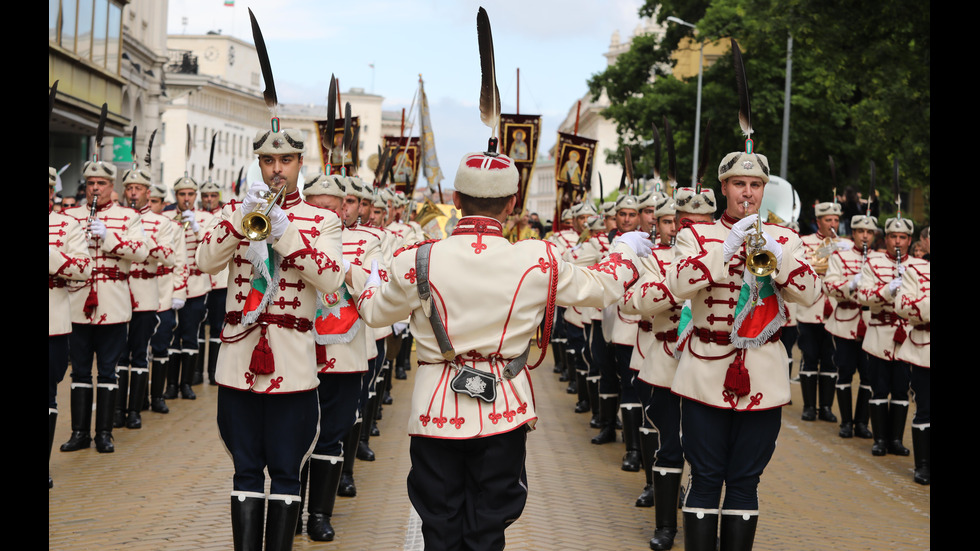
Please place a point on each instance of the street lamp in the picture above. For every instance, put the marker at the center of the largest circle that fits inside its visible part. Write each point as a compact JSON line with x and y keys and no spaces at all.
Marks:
{"x":697,"y":116}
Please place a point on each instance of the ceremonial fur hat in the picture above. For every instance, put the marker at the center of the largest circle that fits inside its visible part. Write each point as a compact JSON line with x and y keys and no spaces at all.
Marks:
{"x":864,"y":221}
{"x":828,"y":208}
{"x":136,"y":176}
{"x":898,"y":225}
{"x":52,"y":176}
{"x":185,"y":182}
{"x":287,"y":140}
{"x":583,"y":208}
{"x":598,"y":224}
{"x":98,"y":169}
{"x":159,"y":192}
{"x":358,"y":188}
{"x":486,"y":175}
{"x":379,"y":202}
{"x":609,"y":208}
{"x":567,"y":214}
{"x":627,"y":202}
{"x":664,"y":207}
{"x":686,"y":199}
{"x":740,"y":163}
{"x":649,"y":198}
{"x":210,"y":187}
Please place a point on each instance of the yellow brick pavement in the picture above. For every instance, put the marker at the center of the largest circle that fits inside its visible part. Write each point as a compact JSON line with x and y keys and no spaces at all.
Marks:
{"x":167,"y":488}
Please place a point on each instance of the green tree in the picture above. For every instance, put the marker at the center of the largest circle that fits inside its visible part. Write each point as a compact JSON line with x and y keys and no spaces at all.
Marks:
{"x":860,"y":90}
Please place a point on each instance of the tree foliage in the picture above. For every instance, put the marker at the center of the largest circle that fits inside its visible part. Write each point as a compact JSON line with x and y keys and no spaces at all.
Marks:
{"x":860,"y":90}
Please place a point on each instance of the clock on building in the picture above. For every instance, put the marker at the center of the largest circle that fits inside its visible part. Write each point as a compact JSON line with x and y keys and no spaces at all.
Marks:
{"x":211,"y":53}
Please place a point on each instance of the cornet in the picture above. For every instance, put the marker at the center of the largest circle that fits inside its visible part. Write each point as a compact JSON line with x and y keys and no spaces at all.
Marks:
{"x":759,"y":261}
{"x":256,"y":225}
{"x":91,"y":214}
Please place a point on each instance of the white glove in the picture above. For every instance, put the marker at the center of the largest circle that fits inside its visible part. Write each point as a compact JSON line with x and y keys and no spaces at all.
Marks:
{"x":346,"y":265}
{"x":374,"y":278}
{"x":737,"y":236}
{"x":774,"y":247}
{"x":189,"y":216}
{"x":845,"y":245}
{"x":177,"y":303}
{"x":399,"y":327}
{"x":252,"y":199}
{"x":855,"y":282}
{"x":279,"y":222}
{"x":893,"y":285}
{"x":97,"y":229}
{"x":901,"y":271}
{"x":637,"y":240}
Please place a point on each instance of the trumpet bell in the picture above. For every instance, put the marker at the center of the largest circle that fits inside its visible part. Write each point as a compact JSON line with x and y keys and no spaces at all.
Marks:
{"x":761,"y":263}
{"x":256,"y":226}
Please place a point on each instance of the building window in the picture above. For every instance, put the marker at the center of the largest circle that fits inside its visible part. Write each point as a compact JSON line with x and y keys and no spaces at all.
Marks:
{"x":91,"y":29}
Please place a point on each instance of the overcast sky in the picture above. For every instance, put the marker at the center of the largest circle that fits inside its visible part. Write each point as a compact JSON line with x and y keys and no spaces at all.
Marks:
{"x":557,"y":45}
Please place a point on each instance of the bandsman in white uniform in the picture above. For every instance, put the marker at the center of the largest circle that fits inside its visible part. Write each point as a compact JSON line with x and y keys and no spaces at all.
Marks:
{"x":68,"y":260}
{"x":913,"y":303}
{"x":565,"y":238}
{"x":217,"y":297}
{"x":489,"y":297}
{"x":134,"y":367}
{"x":172,"y":286}
{"x":102,"y":307}
{"x":731,"y":375}
{"x":848,"y":324}
{"x":409,"y":235}
{"x":818,"y":373}
{"x":576,"y":319}
{"x":268,"y":412}
{"x":877,"y":286}
{"x":194,"y":222}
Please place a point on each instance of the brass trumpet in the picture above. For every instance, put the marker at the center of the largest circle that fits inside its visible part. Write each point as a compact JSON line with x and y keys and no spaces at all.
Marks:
{"x":91,"y":214}
{"x":759,"y":261}
{"x":256,"y":224}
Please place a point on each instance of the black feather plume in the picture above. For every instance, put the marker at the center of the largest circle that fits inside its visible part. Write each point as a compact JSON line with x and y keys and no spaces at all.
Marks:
{"x":744,"y":111}
{"x":132,"y":146}
{"x":211,"y":158}
{"x":355,"y":136}
{"x":601,"y":194}
{"x":51,"y":95}
{"x":703,"y":164}
{"x":345,"y":143}
{"x":100,"y":130}
{"x":656,"y":152}
{"x":270,"y":86}
{"x":149,"y":150}
{"x":489,"y":95}
{"x":331,"y":113}
{"x":628,"y":167}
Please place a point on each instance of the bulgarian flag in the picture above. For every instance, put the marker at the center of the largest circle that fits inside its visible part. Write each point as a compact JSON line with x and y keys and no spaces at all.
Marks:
{"x":758,"y":314}
{"x":263,"y":287}
{"x":337,"y":320}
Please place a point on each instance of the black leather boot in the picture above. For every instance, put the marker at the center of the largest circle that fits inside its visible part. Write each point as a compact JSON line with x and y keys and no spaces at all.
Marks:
{"x":137,"y":393}
{"x":862,"y":414}
{"x":81,"y":418}
{"x":558,"y":355}
{"x":404,"y":359}
{"x":280,"y":523}
{"x":808,"y":388}
{"x":582,"y":405}
{"x":52,"y":423}
{"x":304,"y":475}
{"x":173,"y":376}
{"x":324,"y":480}
{"x":607,"y":420}
{"x":666,"y":487}
{"x":364,"y":452}
{"x":632,"y":417}
{"x":897,"y":415}
{"x":346,"y":487}
{"x":198,"y":376}
{"x":187,"y":367}
{"x":571,"y":363}
{"x":879,"y":427}
{"x":844,"y":404}
{"x":119,"y":412}
{"x":921,"y":444}
{"x":247,"y":521}
{"x":593,"y":388}
{"x":213,"y":347}
{"x":738,"y":532}
{"x":700,"y":531}
{"x":105,"y":399}
{"x":826,"y":398}
{"x":158,"y":379}
{"x":649,"y":442}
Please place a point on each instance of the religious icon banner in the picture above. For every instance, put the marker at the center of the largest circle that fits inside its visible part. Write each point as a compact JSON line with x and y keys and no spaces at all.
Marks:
{"x":519,"y":140}
{"x":573,"y":170}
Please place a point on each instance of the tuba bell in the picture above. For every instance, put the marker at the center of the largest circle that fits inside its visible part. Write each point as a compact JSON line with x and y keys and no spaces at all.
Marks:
{"x":759,"y":261}
{"x":429,"y":212}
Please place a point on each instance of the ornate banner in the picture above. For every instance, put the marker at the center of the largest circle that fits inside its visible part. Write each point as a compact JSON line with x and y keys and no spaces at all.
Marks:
{"x":330,"y":150}
{"x":573,"y":171}
{"x":433,"y":174}
{"x":405,"y":169}
{"x":519,"y":140}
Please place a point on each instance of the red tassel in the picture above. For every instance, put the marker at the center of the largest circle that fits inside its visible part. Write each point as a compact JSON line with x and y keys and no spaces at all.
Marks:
{"x":900,"y":335}
{"x":828,"y":310}
{"x":91,"y":302}
{"x":263,"y":362}
{"x":862,"y":328}
{"x":737,"y":376}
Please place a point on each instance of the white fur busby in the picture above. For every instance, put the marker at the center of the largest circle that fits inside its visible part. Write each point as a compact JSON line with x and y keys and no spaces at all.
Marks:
{"x":99,"y":169}
{"x":52,"y":176}
{"x":864,"y":221}
{"x":898,"y":225}
{"x":664,"y":207}
{"x":210,"y":187}
{"x":287,"y":140}
{"x":136,"y":176}
{"x":185,"y":182}
{"x":649,"y":199}
{"x":828,"y":208}
{"x":627,"y":202}
{"x":740,"y":163}
{"x":159,"y":192}
{"x":686,"y":199}
{"x":483,"y":175}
